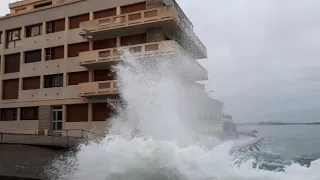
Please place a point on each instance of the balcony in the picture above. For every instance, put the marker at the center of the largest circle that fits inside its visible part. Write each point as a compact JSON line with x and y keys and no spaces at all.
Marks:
{"x":101,"y":88}
{"x":99,"y":58}
{"x":169,"y":50}
{"x":166,"y":17}
{"x":107,"y":57}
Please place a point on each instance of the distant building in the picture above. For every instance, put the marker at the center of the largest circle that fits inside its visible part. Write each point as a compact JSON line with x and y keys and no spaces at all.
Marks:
{"x":209,"y":121}
{"x":229,"y":127}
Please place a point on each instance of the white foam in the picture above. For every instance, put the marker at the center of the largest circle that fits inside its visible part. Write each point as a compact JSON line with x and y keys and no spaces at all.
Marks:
{"x":149,"y":140}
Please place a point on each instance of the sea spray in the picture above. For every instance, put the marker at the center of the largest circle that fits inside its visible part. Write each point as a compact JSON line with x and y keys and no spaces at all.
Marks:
{"x":150,"y":137}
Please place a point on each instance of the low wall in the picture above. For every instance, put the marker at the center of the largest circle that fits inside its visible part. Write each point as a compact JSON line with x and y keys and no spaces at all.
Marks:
{"x":19,"y":127}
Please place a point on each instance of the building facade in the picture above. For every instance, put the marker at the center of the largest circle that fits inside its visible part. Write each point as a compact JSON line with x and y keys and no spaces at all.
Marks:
{"x":209,"y":122}
{"x":56,"y":58}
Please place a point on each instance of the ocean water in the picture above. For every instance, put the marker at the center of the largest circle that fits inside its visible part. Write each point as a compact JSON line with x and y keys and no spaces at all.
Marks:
{"x":298,"y":143}
{"x":150,"y":138}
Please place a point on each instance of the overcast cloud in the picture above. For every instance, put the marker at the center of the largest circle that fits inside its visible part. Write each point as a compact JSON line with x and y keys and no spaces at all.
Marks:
{"x":263,"y":55}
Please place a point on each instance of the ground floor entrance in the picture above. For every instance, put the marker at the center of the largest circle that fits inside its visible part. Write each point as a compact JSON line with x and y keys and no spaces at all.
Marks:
{"x":57,"y":115}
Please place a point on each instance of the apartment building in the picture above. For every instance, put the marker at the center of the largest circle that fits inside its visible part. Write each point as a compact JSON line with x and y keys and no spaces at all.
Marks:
{"x":56,"y":58}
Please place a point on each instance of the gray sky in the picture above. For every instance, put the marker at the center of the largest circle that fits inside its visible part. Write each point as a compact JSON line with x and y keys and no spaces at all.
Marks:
{"x":263,"y":55}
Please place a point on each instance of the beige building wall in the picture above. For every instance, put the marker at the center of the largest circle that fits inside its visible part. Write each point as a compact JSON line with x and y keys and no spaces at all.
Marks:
{"x":22,"y":15}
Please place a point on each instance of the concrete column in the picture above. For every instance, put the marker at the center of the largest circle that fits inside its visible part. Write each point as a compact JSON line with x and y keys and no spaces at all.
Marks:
{"x":90,"y":112}
{"x":118,"y":10}
{"x":64,"y":115}
{"x":66,"y":39}
{"x":154,"y":3}
{"x":118,"y":41}
{"x":21,"y":58}
{"x":45,"y":119}
{"x":43,"y":54}
{"x":91,"y":16}
{"x":65,"y":50}
{"x":91,"y":76}
{"x":67,"y":23}
{"x":155,"y":35}
{"x":2,"y":63}
{"x":18,"y":114}
{"x":21,"y":64}
{"x":1,"y":72}
{"x":3,"y":38}
{"x":90,"y":45}
{"x":41,"y":82}
{"x":65,"y":79}
{"x":20,"y":84}
{"x":44,"y":28}
{"x":23,"y":32}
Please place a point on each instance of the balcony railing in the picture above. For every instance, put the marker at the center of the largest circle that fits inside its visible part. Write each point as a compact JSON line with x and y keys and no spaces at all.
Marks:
{"x":89,"y":58}
{"x":141,"y":17}
{"x":105,"y":56}
{"x":128,"y":19}
{"x":98,"y":88}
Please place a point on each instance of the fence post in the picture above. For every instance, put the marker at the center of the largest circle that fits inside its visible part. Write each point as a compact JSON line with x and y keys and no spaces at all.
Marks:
{"x":52,"y":137}
{"x":67,"y":131}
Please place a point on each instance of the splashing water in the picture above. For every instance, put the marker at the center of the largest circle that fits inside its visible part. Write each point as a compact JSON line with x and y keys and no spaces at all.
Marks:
{"x":151,"y":137}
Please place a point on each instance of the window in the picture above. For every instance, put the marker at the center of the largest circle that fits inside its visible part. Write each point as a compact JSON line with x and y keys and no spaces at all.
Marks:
{"x":14,"y":35}
{"x":76,"y":78}
{"x":75,"y":49}
{"x":51,"y":81}
{"x":29,"y":113}
{"x":55,"y":53}
{"x":55,"y":26}
{"x":105,"y":13}
{"x":32,"y":56}
{"x":34,"y":30}
{"x":12,"y":63}
{"x":21,"y":10}
{"x":77,"y":113}
{"x":13,"y":38}
{"x":57,"y":119}
{"x":9,"y":114}
{"x":30,"y":83}
{"x":104,"y":44}
{"x":74,"y":22}
{"x":104,"y":75}
{"x":0,"y":37}
{"x":10,"y":89}
{"x":133,"y":39}
{"x":42,"y":5}
{"x":133,"y":8}
{"x":102,"y":112}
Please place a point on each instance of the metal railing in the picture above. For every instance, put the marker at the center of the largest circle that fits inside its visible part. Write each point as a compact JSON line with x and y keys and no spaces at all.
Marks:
{"x":50,"y":140}
{"x":98,"y":88}
{"x":248,"y":134}
{"x":139,"y":17}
